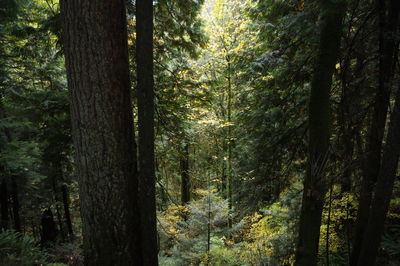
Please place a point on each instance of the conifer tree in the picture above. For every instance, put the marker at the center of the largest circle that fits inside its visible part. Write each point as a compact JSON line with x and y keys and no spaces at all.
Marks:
{"x":320,"y":123}
{"x":96,"y":52}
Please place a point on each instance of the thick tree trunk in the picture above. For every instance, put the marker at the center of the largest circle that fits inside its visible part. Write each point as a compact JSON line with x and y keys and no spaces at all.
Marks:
{"x":387,"y":50}
{"x":185,"y":179}
{"x":96,"y":51}
{"x":383,"y":191}
{"x":145,"y":94}
{"x":332,"y":13}
{"x":4,"y":205}
{"x":68,"y":221}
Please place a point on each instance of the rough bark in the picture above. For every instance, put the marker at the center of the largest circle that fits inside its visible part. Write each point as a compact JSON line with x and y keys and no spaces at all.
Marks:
{"x":96,"y":51}
{"x":145,"y":94}
{"x":388,"y":23}
{"x":383,"y":191}
{"x":185,"y":179}
{"x":315,"y":184}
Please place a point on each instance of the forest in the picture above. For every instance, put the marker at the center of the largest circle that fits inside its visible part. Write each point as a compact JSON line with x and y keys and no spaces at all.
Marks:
{"x":199,"y":132}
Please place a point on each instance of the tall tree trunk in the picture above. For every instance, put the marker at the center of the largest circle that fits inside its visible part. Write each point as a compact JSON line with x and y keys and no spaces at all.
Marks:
{"x":96,"y":51}
{"x":223,"y":168}
{"x":349,"y":105}
{"x":65,"y":197}
{"x":346,"y":137}
{"x":145,"y":94}
{"x":4,"y":205}
{"x":229,"y":143}
{"x":387,"y":49}
{"x":332,"y":13}
{"x":383,"y":191}
{"x":15,"y":204}
{"x":4,"y":197}
{"x":185,"y":179}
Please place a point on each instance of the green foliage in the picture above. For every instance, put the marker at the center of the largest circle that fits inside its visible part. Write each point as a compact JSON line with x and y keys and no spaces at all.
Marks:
{"x":272,"y":121}
{"x":266,"y":237}
{"x":187,"y":229}
{"x":390,"y":253}
{"x":17,"y":249}
{"x":22,"y":250}
{"x":192,"y":230}
{"x":168,"y":221}
{"x":340,"y":212}
{"x":256,"y":55}
{"x":34,"y":107}
{"x":177,"y":27}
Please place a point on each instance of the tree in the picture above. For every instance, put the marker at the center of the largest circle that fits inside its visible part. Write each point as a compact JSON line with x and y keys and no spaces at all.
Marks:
{"x":388,"y":28}
{"x":319,"y":117}
{"x":145,"y":95}
{"x":34,"y":107}
{"x":383,"y":191}
{"x":205,"y":219}
{"x":185,"y":178}
{"x":223,"y":63}
{"x":7,"y":12}
{"x":96,"y":53}
{"x":271,"y":105}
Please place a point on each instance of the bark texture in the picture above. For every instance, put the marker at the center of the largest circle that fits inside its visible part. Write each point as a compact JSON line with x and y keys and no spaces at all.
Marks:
{"x":315,"y":183}
{"x":96,"y":51}
{"x":145,"y":94}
